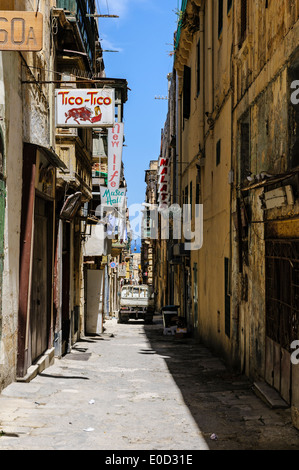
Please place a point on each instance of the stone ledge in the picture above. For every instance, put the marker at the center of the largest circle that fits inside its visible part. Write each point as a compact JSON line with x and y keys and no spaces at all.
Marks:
{"x":269,"y":395}
{"x":46,"y":360}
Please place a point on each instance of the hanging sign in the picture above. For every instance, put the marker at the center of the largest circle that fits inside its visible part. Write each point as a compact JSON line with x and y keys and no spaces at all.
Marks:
{"x":113,"y":198}
{"x":85,"y":107}
{"x":21,"y":31}
{"x":115,"y":149}
{"x":163,"y":182}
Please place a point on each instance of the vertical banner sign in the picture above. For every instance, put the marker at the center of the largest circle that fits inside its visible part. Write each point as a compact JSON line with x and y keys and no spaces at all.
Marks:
{"x":115,"y":149}
{"x":163,"y":182}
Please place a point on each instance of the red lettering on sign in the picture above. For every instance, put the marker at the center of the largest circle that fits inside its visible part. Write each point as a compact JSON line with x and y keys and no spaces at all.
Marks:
{"x":63,"y":93}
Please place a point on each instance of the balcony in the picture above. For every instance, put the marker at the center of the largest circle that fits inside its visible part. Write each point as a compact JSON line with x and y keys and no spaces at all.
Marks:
{"x":76,"y":12}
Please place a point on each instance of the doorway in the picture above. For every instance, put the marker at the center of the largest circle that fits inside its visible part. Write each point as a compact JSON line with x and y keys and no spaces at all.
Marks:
{"x":40,"y":303}
{"x":282,"y":312}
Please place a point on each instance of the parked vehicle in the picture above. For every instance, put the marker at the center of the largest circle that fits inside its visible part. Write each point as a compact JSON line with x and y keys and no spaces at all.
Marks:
{"x":136,"y":302}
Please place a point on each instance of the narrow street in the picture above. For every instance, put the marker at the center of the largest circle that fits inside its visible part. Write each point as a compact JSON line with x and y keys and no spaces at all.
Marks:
{"x":132,"y":388}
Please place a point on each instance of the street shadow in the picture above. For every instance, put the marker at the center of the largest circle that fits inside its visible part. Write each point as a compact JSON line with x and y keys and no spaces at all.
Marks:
{"x":93,"y":340}
{"x":69,"y":377}
{"x":203,"y":379}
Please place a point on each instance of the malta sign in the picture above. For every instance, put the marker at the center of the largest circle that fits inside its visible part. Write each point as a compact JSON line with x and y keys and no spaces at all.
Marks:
{"x":85,"y":107}
{"x":115,"y":149}
{"x":21,"y":31}
{"x":163,"y":182}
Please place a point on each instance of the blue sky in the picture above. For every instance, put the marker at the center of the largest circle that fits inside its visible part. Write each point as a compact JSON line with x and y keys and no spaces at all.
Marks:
{"x":143,"y":35}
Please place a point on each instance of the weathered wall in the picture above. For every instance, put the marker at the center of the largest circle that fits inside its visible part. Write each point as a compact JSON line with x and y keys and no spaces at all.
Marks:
{"x":209,"y":123}
{"x":11,"y":124}
{"x":261,"y":98}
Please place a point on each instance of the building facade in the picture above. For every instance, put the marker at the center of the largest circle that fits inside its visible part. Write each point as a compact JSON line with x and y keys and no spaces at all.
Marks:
{"x":235,"y":158}
{"x":47,"y":183}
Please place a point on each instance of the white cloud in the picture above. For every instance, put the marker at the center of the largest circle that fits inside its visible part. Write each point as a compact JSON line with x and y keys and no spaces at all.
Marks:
{"x":117,"y":7}
{"x":107,"y":44}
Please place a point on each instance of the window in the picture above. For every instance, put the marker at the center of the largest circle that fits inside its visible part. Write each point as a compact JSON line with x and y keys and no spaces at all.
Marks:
{"x":245,"y":152}
{"x":218,"y":152}
{"x":229,"y":5}
{"x":198,"y":67}
{"x":220,"y":16}
{"x":243,"y":20}
{"x":187,"y":92}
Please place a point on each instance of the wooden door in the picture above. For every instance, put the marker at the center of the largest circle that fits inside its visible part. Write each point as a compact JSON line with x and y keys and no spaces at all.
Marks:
{"x":39,"y":312}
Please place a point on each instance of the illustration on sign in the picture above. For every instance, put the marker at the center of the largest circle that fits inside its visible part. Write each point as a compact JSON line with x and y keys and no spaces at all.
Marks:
{"x":115,"y":148}
{"x":85,"y":107}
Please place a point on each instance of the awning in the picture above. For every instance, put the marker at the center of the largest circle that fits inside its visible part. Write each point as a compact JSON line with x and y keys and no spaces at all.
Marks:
{"x":71,"y":206}
{"x":272,"y":180}
{"x":53,"y":157}
{"x":50,"y":154}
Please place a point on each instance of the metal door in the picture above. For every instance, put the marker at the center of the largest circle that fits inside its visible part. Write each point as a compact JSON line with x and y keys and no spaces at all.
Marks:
{"x":282,"y":311}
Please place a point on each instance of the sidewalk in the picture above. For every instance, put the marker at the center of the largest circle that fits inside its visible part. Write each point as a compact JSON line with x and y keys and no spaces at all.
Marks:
{"x":134,"y":389}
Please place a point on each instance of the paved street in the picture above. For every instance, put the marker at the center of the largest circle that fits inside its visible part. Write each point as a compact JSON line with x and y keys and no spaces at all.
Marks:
{"x":134,"y":389}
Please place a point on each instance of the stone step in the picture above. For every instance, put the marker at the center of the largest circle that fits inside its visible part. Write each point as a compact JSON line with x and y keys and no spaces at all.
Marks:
{"x":43,"y":363}
{"x":269,"y":395}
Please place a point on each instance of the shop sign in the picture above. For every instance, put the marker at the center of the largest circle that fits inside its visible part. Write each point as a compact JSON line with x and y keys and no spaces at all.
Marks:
{"x":113,"y":198}
{"x":115,"y":149}
{"x":85,"y":107}
{"x":163,"y":181}
{"x":122,"y":270}
{"x":21,"y":31}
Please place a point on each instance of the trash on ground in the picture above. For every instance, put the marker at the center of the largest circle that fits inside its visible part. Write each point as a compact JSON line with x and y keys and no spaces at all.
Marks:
{"x":170,"y":331}
{"x":214,"y":437}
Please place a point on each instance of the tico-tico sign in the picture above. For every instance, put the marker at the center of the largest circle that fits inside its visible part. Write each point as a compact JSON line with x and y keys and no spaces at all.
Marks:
{"x":21,"y":31}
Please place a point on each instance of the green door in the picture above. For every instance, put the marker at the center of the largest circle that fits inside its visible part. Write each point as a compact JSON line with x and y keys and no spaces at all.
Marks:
{"x":2,"y":219}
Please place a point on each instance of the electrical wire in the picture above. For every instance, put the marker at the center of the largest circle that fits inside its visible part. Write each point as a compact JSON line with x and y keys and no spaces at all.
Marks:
{"x":107,"y":7}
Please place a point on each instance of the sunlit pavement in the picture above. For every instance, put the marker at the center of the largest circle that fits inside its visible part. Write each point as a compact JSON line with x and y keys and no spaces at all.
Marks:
{"x":132,"y":388}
